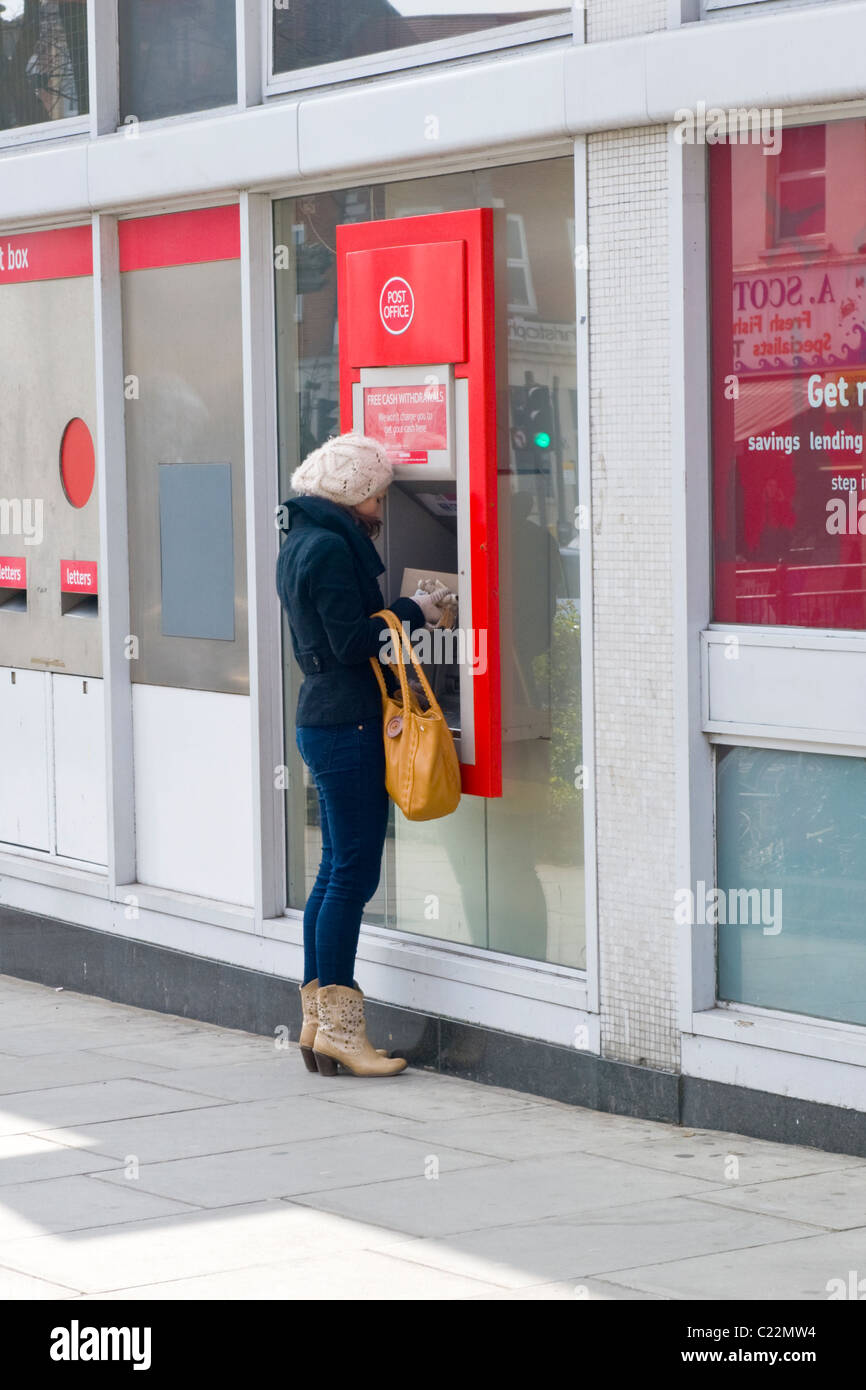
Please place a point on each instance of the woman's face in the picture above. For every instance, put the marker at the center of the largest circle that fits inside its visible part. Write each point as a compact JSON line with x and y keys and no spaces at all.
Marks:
{"x":371,"y":507}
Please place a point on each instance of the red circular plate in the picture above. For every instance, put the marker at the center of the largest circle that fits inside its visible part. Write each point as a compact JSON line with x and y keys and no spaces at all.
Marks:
{"x":77,"y":462}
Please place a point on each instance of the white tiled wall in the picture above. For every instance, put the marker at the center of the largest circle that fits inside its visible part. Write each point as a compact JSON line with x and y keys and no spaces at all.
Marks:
{"x":631,"y":518}
{"x":616,"y":19}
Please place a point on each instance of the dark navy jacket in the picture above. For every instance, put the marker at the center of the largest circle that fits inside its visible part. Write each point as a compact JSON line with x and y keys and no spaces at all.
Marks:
{"x":327,"y":580}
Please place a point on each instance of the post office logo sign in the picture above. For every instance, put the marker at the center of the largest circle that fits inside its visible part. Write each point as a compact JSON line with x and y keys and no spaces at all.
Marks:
{"x":396,"y":304}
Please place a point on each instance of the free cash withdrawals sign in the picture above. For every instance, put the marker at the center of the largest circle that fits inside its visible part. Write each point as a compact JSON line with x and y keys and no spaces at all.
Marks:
{"x":410,"y":420}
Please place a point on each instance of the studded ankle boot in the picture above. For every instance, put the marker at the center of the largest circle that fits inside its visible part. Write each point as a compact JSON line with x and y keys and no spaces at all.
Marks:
{"x":310,"y":1023}
{"x":342,"y":1039}
{"x":309,"y":1004}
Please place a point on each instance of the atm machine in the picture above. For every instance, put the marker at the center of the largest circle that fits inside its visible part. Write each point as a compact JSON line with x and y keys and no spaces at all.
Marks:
{"x":52,"y":753}
{"x":420,"y":369}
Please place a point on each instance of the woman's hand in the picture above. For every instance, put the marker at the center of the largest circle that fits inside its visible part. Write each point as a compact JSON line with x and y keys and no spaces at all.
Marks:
{"x":432,"y":612}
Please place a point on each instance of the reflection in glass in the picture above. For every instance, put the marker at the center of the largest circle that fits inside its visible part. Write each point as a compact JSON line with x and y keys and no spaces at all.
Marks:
{"x":789,"y":377}
{"x":43,"y":61}
{"x":505,"y":873}
{"x":176,"y":57}
{"x":309,"y":32}
{"x":793,"y":826}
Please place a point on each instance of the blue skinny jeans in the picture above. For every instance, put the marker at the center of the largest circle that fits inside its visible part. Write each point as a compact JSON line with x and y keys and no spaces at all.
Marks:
{"x":347,"y":762}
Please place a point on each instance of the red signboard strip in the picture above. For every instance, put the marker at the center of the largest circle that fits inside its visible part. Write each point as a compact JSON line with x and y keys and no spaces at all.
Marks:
{"x":60,"y":254}
{"x":13,"y":572}
{"x":78,"y":577}
{"x":180,"y":238}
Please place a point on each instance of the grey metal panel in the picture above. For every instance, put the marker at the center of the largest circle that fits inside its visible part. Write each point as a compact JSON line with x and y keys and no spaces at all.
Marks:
{"x":195,"y":534}
{"x":48,"y":362}
{"x":182,"y":360}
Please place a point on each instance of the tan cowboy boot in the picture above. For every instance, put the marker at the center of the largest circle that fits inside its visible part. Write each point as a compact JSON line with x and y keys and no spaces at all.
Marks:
{"x":342,"y":1036}
{"x":311,"y":1022}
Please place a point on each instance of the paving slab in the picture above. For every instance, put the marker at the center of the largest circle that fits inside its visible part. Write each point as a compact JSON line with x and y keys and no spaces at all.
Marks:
{"x":361,"y":1276}
{"x":73,"y":1068}
{"x":77,"y":1203}
{"x":790,"y":1270}
{"x":835,"y":1200}
{"x":587,"y":1290}
{"x":533,"y":1188}
{"x":423,"y":1095}
{"x":61,"y":1035}
{"x":732,"y":1160}
{"x":200,"y":1050}
{"x":183,"y":1247}
{"x":284,"y":1170}
{"x":22,"y":1286}
{"x":26,"y":1158}
{"x":218,"y":1128}
{"x":523,"y":1132}
{"x":28,"y":1112}
{"x":259,"y":1079}
{"x":597,"y":1242}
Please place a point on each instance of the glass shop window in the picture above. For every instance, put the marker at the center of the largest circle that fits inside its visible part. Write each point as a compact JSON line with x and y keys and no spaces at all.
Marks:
{"x":43,"y":61}
{"x":788,"y":239}
{"x":791,"y":875}
{"x":176,"y":57}
{"x":504,"y":874}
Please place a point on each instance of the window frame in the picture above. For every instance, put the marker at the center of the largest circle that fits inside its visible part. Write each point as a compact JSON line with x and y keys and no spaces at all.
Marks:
{"x":798,"y":175}
{"x":710,"y":6}
{"x":522,"y":263}
{"x":496,"y":976}
{"x":44,"y":130}
{"x":746,"y":9}
{"x":64,"y":126}
{"x":412,"y":56}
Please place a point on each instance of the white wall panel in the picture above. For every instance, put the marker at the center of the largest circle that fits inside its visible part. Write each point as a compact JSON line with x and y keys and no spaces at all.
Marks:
{"x":24,"y":760}
{"x":79,"y":767}
{"x":195,"y":156}
{"x":44,"y":181}
{"x":193,"y":803}
{"x":763,"y":685}
{"x":507,"y":101}
{"x":772,"y":59}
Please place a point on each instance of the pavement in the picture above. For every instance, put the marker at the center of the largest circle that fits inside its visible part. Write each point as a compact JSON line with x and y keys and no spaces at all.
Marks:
{"x":146,"y":1156}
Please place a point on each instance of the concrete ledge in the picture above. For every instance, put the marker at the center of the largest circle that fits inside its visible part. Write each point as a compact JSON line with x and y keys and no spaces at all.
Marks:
{"x":58,"y":953}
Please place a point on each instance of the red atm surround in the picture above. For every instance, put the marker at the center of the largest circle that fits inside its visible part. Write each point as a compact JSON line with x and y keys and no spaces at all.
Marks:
{"x":447,"y":262}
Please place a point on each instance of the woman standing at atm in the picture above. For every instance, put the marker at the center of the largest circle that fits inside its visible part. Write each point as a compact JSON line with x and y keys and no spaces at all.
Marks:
{"x":327,"y":580}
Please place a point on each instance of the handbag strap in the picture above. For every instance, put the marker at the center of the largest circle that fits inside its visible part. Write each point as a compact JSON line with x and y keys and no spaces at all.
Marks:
{"x":409,"y":700}
{"x":376,"y":665}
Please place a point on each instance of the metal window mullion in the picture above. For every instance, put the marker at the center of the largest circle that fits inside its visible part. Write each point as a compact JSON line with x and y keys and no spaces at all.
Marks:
{"x":691,"y":552}
{"x":264,"y":614}
{"x":103,"y":67}
{"x":250,"y":21}
{"x":584,"y":497}
{"x":113,"y":553}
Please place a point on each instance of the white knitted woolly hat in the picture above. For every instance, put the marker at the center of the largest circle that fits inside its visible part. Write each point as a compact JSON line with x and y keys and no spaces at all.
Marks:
{"x":347,"y":469}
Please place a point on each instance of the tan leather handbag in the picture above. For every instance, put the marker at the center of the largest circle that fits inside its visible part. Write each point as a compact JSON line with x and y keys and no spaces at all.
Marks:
{"x":422,"y":773}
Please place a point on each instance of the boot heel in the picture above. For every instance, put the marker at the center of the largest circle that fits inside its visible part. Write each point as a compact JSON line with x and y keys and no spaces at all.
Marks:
{"x":309,"y":1058}
{"x":327,"y":1066}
